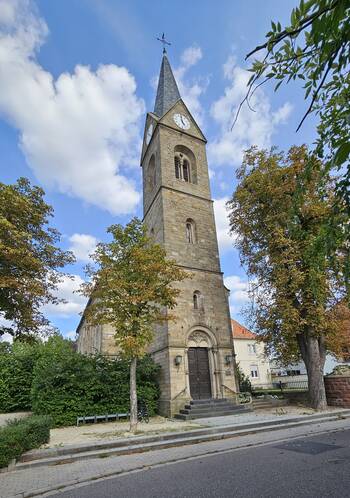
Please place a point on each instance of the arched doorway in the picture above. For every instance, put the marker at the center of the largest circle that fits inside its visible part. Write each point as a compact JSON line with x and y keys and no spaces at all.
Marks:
{"x":201,"y":364}
{"x":199,"y":373}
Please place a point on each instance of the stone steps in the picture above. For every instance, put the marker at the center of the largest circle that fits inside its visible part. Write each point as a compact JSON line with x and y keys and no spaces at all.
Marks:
{"x":204,"y":408}
{"x":263,"y":403}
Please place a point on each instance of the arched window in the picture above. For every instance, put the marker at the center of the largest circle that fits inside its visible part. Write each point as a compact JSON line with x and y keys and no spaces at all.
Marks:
{"x":151,"y":173}
{"x":190,"y":231}
{"x":177,"y":167}
{"x":197,"y":300}
{"x":185,"y":164}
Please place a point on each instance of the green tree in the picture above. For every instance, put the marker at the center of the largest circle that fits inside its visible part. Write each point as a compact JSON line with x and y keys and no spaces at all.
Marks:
{"x":131,"y":289}
{"x":314,"y":48}
{"x":281,"y":219}
{"x":29,"y":258}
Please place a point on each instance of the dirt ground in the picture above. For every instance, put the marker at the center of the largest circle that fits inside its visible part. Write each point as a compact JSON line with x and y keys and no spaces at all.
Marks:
{"x":96,"y":432}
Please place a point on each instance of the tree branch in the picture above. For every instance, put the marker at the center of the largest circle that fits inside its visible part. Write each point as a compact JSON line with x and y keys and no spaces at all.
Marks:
{"x":318,"y":89}
{"x":304,"y":24}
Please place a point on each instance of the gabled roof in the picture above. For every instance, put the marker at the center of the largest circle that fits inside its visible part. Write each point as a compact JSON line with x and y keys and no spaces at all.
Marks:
{"x":241,"y":332}
{"x":167,"y":93}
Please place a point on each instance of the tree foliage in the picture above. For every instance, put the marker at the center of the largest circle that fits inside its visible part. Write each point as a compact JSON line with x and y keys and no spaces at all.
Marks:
{"x":132,"y":289}
{"x":315,"y":49}
{"x":17,"y":362}
{"x":29,"y":257}
{"x":282,"y":221}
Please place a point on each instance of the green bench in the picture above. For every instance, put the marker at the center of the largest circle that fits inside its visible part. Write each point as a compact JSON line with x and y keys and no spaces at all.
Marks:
{"x":93,"y":419}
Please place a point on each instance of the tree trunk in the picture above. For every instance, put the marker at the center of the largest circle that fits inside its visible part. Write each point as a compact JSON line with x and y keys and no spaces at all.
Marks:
{"x":314,"y":354}
{"x":133,"y":396}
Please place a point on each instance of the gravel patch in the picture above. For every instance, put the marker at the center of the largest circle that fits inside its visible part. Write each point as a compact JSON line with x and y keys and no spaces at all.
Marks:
{"x":5,"y":417}
{"x":96,"y":432}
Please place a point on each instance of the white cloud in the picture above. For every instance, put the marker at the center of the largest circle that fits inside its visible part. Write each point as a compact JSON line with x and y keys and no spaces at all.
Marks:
{"x":79,"y":132}
{"x":238,"y":293}
{"x":7,"y":11}
{"x":82,"y":245}
{"x":3,"y":322}
{"x":70,"y":335}
{"x":74,"y":304}
{"x":252,"y":128}
{"x":225,"y":240}
{"x":190,"y":56}
{"x":191,"y":89}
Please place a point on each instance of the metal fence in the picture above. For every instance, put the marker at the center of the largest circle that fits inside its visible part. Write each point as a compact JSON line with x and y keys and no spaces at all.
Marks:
{"x":301,"y":385}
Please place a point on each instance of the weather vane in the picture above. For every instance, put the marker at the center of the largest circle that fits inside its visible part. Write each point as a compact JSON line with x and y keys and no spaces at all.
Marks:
{"x":164,"y":42}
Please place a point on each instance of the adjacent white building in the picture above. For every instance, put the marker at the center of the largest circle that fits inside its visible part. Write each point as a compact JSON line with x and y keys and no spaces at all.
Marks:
{"x":250,"y":357}
{"x":250,"y":354}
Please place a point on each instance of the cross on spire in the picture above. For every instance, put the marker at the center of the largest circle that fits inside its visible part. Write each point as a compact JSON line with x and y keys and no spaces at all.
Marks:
{"x":164,"y":42}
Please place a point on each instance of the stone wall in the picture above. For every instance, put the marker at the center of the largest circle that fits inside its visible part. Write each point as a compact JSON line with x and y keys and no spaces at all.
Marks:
{"x":338,"y":390}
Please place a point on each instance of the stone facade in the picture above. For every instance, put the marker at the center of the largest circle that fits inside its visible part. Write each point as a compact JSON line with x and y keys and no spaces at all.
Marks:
{"x":338,"y":390}
{"x":170,"y":203}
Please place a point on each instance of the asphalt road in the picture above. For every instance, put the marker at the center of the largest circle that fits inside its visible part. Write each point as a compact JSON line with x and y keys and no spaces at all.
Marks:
{"x":317,"y":466}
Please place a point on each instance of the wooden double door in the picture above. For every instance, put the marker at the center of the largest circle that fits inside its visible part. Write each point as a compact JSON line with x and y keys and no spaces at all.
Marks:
{"x":199,"y":373}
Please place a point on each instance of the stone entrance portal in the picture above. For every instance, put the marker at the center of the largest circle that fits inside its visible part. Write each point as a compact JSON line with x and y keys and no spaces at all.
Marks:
{"x":199,"y":373}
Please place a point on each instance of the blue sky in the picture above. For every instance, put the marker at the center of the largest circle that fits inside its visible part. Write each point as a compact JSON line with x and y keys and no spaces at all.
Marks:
{"x":76,"y":79}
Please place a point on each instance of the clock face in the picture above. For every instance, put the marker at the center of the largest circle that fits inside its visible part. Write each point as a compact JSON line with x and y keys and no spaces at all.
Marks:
{"x":149,"y":133}
{"x":181,"y":121}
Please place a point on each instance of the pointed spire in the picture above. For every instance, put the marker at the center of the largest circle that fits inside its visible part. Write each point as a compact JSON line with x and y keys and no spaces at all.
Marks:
{"x":167,"y":92}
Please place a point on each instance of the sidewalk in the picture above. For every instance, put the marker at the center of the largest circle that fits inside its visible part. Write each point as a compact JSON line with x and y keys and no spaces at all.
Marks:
{"x":103,"y":431}
{"x":38,"y":480}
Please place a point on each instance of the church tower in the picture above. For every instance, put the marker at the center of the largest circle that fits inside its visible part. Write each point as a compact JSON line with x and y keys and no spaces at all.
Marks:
{"x":195,"y":351}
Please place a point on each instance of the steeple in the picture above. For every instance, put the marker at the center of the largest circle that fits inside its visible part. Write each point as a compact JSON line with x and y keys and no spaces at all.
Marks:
{"x":167,"y":92}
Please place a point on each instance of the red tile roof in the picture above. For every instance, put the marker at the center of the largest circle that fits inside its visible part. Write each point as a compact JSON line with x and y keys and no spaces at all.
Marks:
{"x":241,"y":332}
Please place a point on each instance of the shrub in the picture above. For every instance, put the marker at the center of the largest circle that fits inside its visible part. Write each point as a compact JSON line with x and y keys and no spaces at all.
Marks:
{"x":16,"y":372}
{"x":23,"y":435}
{"x":243,"y":381}
{"x":67,"y":385}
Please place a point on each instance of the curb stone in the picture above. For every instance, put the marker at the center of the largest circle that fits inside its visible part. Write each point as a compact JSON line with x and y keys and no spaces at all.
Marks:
{"x":75,"y":483}
{"x":142,"y":444}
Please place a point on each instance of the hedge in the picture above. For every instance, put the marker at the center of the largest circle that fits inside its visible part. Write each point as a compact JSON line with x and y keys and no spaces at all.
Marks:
{"x":67,"y":385}
{"x":16,"y":372}
{"x":23,"y":435}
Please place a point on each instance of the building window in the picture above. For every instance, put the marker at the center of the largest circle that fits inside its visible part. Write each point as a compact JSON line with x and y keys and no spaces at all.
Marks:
{"x":177,"y":167}
{"x":254,"y":372}
{"x":293,"y":372}
{"x":182,"y":167}
{"x":197,"y":301}
{"x":186,"y":170}
{"x":251,"y":348}
{"x":185,"y":164}
{"x":190,"y":231}
{"x":152,"y":174}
